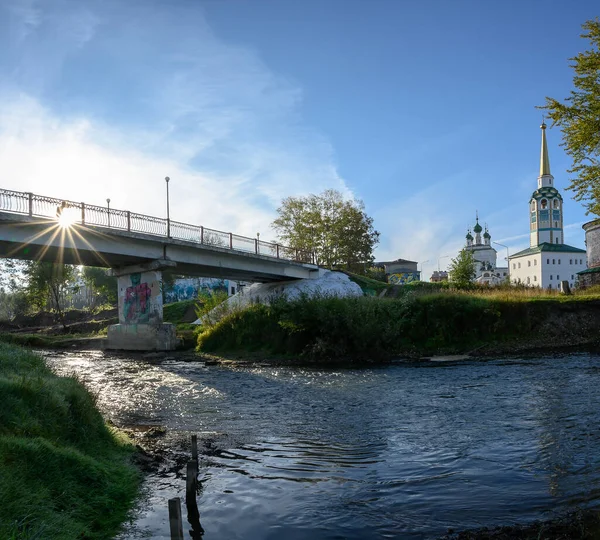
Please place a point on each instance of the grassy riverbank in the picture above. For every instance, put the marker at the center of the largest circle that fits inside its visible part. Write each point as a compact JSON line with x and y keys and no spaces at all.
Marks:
{"x":414,"y":325}
{"x":64,"y":473}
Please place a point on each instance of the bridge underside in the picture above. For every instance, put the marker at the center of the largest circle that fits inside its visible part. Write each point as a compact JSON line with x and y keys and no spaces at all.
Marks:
{"x":40,"y":239}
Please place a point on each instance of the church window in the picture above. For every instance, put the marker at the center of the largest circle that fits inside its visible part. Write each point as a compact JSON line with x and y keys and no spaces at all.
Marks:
{"x":528,"y":263}
{"x":547,"y":261}
{"x":557,"y":240}
{"x":556,"y":203}
{"x":534,"y":278}
{"x":557,"y":277}
{"x":550,"y":276}
{"x":580,"y":261}
{"x":570,"y":261}
{"x":572,"y":276}
{"x":514,"y":266}
{"x":534,"y":262}
{"x":519,"y":265}
{"x":553,"y":261}
{"x":558,"y":261}
{"x":544,"y":204}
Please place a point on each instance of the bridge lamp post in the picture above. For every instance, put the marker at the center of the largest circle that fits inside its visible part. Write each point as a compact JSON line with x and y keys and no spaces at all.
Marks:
{"x":168,"y":214}
{"x":257,"y":242}
{"x":108,"y":204}
{"x":507,"y":261}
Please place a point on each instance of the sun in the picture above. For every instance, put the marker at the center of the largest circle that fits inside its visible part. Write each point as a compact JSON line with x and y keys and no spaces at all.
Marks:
{"x":67,"y":218}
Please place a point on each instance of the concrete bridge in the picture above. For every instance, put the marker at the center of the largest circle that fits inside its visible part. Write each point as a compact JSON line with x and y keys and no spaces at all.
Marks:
{"x":137,"y":248}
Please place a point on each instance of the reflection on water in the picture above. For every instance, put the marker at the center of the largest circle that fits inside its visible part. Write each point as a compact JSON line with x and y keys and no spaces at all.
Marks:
{"x":399,"y":451}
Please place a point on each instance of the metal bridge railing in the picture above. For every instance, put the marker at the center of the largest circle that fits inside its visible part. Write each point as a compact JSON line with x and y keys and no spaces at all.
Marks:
{"x":17,"y":202}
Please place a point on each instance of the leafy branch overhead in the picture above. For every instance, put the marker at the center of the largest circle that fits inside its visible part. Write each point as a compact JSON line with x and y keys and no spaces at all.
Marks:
{"x":579,"y":119}
{"x":337,"y":230}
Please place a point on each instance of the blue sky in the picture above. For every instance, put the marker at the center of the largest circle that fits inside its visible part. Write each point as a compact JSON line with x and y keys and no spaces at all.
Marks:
{"x":425,"y":110}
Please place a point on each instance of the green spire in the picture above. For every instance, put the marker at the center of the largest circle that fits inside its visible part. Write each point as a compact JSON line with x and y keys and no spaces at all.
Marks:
{"x":477,"y":229}
{"x":544,"y":159}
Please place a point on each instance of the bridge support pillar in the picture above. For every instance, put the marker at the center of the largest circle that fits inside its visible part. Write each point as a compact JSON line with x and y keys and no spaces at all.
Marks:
{"x":141,"y":326}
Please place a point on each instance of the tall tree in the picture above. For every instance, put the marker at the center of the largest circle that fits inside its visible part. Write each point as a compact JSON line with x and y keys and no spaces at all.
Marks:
{"x":102,"y":285}
{"x":49,"y":282}
{"x":579,"y":119}
{"x":462,"y":268}
{"x":338,"y":231}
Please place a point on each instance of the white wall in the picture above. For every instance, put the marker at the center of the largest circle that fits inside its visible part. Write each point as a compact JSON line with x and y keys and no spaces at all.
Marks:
{"x":526,"y":270}
{"x":547,"y":269}
{"x":561,"y":266}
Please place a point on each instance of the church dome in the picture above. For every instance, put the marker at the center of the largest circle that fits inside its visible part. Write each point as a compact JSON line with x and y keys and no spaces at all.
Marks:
{"x":546,"y":191}
{"x":469,"y":236}
{"x":486,"y":234}
{"x":477,"y":228}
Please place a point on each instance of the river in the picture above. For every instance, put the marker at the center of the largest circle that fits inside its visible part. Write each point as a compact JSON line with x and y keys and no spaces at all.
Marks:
{"x":407,"y":450}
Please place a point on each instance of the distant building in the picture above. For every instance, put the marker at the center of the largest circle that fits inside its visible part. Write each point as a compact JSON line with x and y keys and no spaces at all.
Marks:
{"x":400,"y":271}
{"x":438,"y":276}
{"x":548,"y":260}
{"x":486,"y":271}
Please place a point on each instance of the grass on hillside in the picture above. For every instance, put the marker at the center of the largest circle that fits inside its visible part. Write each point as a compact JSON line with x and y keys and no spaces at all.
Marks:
{"x":175,"y":312}
{"x":44,"y":340}
{"x":371,"y":287}
{"x":368,"y":328}
{"x":65,"y":474}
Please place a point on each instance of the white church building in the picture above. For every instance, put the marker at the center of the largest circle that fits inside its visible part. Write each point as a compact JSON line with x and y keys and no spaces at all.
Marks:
{"x":548,"y":260}
{"x":486,"y":271}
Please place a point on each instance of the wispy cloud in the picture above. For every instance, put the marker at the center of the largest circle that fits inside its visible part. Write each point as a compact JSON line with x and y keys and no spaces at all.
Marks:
{"x":120,"y":101}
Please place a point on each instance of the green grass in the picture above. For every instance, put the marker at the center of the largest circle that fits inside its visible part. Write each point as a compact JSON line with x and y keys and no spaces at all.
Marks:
{"x":174,"y":312}
{"x":368,"y":328}
{"x":38,"y":340}
{"x":64,"y":474}
{"x":371,"y":287}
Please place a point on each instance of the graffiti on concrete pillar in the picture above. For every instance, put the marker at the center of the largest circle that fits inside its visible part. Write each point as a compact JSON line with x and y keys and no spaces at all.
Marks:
{"x":137,"y":300}
{"x":140,"y":298}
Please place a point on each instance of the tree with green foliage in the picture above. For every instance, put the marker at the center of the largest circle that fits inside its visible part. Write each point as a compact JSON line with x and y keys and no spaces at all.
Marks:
{"x":48,"y":283}
{"x":13,"y":298}
{"x":337,"y":230}
{"x":579,"y":118}
{"x":102,"y":285}
{"x":462,"y":268}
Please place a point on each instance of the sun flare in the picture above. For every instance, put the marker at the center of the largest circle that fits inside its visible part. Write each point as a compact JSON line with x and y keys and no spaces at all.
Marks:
{"x":67,"y":218}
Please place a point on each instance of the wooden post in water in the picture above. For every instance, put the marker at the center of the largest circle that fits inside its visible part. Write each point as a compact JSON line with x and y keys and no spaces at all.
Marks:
{"x":175,"y":521}
{"x":195,"y":448}
{"x":190,"y":500}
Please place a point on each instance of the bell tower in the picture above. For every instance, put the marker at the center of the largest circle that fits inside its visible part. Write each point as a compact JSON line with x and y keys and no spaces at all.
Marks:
{"x":546,"y":204}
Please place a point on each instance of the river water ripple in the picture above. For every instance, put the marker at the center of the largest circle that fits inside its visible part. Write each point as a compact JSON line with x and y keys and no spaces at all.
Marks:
{"x":400,"y":451}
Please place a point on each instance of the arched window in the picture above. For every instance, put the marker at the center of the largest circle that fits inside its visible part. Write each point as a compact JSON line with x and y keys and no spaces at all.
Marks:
{"x":544,"y":204}
{"x":534,"y":262}
{"x":556,"y":203}
{"x":528,"y":263}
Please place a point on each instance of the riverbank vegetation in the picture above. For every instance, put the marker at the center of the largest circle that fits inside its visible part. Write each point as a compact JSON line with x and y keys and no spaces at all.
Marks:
{"x":422,"y":320}
{"x":65,"y":474}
